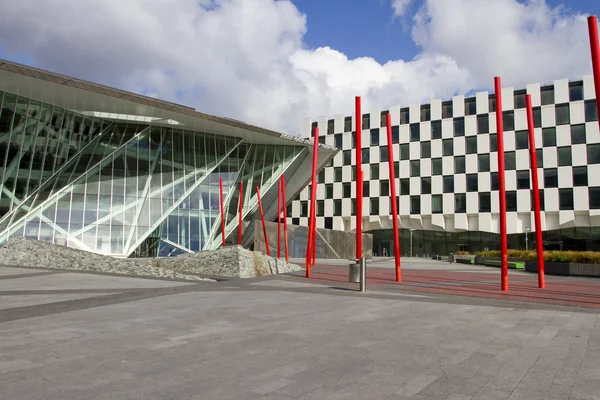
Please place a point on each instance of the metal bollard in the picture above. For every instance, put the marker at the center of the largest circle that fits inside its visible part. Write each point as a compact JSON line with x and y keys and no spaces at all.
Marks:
{"x":363,"y":274}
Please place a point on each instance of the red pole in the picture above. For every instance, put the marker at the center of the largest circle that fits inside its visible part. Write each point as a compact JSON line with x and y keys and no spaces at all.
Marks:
{"x":595,"y":47}
{"x":393,"y":197}
{"x":359,"y":184}
{"x":502,"y":186}
{"x":536,"y":195}
{"x":262,"y":218}
{"x":313,"y":203}
{"x":222,"y":213}
{"x":278,"y":219}
{"x":285,"y":238}
{"x":240,"y":227}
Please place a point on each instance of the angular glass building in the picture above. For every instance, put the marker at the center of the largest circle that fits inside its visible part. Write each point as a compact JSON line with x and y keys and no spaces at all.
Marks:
{"x":111,"y":172}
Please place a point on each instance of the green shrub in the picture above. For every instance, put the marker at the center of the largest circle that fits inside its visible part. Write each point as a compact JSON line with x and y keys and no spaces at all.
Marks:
{"x":463,"y":253}
{"x":584,"y":257}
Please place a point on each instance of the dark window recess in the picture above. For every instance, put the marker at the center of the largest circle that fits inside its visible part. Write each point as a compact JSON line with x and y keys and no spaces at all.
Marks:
{"x":436,"y":129}
{"x":313,"y":127}
{"x":328,"y":222}
{"x":547,"y":93}
{"x":425,"y":113}
{"x":510,"y":161}
{"x":593,"y":153}
{"x":404,"y":116}
{"x":366,"y":188}
{"x":304,"y":208}
{"x":437,"y":204}
{"x":337,"y":207}
{"x":353,"y":136}
{"x":415,"y":132}
{"x":374,"y":171}
{"x":521,"y":140}
{"x":580,"y":176}
{"x":348,"y":124}
{"x":448,"y":147}
{"x":471,"y":145}
{"x":565,"y":197}
{"x":425,"y":149}
{"x":562,"y":114}
{"x":396,"y":169}
{"x":493,"y":142}
{"x":383,"y":154}
{"x":321,"y":176}
{"x":508,"y":120}
{"x":459,"y":126}
{"x":404,"y":151}
{"x":459,"y":164}
{"x":447,"y":109}
{"x":330,"y":127}
{"x":511,"y":201}
{"x":329,"y":191}
{"x":295,"y":221}
{"x":415,"y":204}
{"x":495,"y":183}
{"x":353,"y":207}
{"x":322,"y":139}
{"x":470,"y":106}
{"x":483,"y":161}
{"x":425,"y":185}
{"x":550,"y":178}
{"x":375,"y":137}
{"x":353,"y":175}
{"x":404,"y":186}
{"x":549,"y":137}
{"x":519,"y":96}
{"x":460,"y":203}
{"x":415,"y":168}
{"x":492,"y":103}
{"x":320,"y":208}
{"x":591,"y":112}
{"x":472,"y":183}
{"x":448,"y":184}
{"x":366,"y":155}
{"x":594,"y":198}
{"x":347,"y":190}
{"x":564,"y":156}
{"x":578,"y":134}
{"x":374,"y":206}
{"x":436,"y":166}
{"x":366,"y":121}
{"x":338,"y":140}
{"x":541,"y":201}
{"x":576,"y":91}
{"x":384,"y":187}
{"x":395,"y":134}
{"x":337,"y":174}
{"x":347,"y":154}
{"x":383,"y":123}
{"x":539,"y":157}
{"x":485,"y":202}
{"x":537,"y":117}
{"x":523,"y":179}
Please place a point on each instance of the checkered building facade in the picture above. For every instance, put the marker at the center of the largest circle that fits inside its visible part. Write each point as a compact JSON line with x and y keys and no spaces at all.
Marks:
{"x":446,"y":163}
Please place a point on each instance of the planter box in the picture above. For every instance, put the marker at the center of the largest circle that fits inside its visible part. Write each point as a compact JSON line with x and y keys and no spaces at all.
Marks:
{"x":465,"y":259}
{"x":495,"y":262}
{"x":566,"y":269}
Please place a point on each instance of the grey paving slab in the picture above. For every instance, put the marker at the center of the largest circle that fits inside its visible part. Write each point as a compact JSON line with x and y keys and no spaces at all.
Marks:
{"x":7,"y":271}
{"x":11,"y":301}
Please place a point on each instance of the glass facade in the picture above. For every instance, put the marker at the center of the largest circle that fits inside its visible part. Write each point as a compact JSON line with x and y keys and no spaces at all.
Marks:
{"x":124,"y":188}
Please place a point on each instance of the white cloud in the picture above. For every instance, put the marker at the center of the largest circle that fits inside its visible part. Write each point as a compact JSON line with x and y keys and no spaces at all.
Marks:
{"x":400,"y":7}
{"x":246,"y":58}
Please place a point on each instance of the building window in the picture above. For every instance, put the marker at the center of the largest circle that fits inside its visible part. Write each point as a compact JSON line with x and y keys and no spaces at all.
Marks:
{"x":510,"y":161}
{"x":471,"y":144}
{"x":580,"y":176}
{"x":594,"y":198}
{"x":537,"y":117}
{"x":425,"y":113}
{"x":366,"y":121}
{"x":347,"y":154}
{"x":578,"y":134}
{"x":404,"y":151}
{"x":576,"y":91}
{"x":470,"y":106}
{"x":415,"y":204}
{"x":449,"y":184}
{"x":448,"y":147}
{"x":384,"y":187}
{"x":492,"y":102}
{"x":415,"y":132}
{"x":313,"y":128}
{"x":549,"y":137}
{"x":425,"y":185}
{"x":459,"y":164}
{"x":520,"y":99}
{"x":374,"y":206}
{"x":383,"y":154}
{"x":541,"y":193}
{"x":459,"y":126}
{"x":436,"y":129}
{"x":348,"y":124}
{"x":508,"y":120}
{"x":472,"y":183}
{"x":511,"y":201}
{"x":329,"y":191}
{"x":436,"y":166}
{"x":375,"y":137}
{"x":397,"y":169}
{"x":353,"y":170}
{"x":366,"y":155}
{"x":321,"y":176}
{"x":522,"y":140}
{"x":460,"y":203}
{"x":322,"y":139}
{"x":593,"y":153}
{"x":415,"y":168}
{"x":304,"y":208}
{"x":347,"y":190}
{"x":562,"y":114}
{"x":566,"y":199}
{"x":338,"y":140}
{"x":330,"y":125}
{"x":383,"y":118}
{"x":483,"y":123}
{"x":447,"y":109}
{"x":485,"y":202}
{"x":547,"y":93}
{"x":539,"y":157}
{"x":337,"y":174}
{"x":328,"y":223}
{"x":353,"y":207}
{"x":366,"y":188}
{"x":404,"y":116}
{"x":591,"y":112}
{"x":337,"y":207}
{"x":494,"y":181}
{"x":436,"y":204}
{"x":374,"y":171}
{"x":404,"y":186}
{"x":483,"y":162}
{"x":353,"y":136}
{"x":564,"y":156}
{"x":550,"y":178}
{"x":493,"y":142}
{"x":395,"y":134}
{"x":425,"y":149}
{"x":523,"y":179}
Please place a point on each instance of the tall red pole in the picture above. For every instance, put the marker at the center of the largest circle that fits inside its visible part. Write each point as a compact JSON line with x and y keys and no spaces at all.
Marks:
{"x":240,"y":221}
{"x":536,"y":195}
{"x":359,"y":184}
{"x":279,"y":219}
{"x":393,"y":197}
{"x":313,"y":203}
{"x":595,"y":47}
{"x":285,"y":237}
{"x":222,"y":213}
{"x":501,"y":186}
{"x":262,"y":218}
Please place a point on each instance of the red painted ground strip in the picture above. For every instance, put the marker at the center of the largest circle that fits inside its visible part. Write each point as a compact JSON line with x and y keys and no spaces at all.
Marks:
{"x":580,"y":292}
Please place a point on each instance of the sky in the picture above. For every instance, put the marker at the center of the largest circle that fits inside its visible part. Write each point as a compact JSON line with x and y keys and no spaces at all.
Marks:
{"x":274,"y":62}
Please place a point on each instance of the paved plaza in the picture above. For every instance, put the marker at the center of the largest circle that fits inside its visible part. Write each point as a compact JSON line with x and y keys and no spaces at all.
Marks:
{"x":66,"y":335}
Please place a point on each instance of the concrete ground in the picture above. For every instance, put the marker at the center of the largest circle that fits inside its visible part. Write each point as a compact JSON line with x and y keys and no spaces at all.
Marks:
{"x":66,"y":335}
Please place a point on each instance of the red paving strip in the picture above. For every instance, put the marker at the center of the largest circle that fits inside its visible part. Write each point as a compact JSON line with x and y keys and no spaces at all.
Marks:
{"x":578,"y":292}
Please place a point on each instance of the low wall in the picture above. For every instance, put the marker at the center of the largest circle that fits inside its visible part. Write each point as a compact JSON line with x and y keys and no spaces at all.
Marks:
{"x":567,"y":269}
